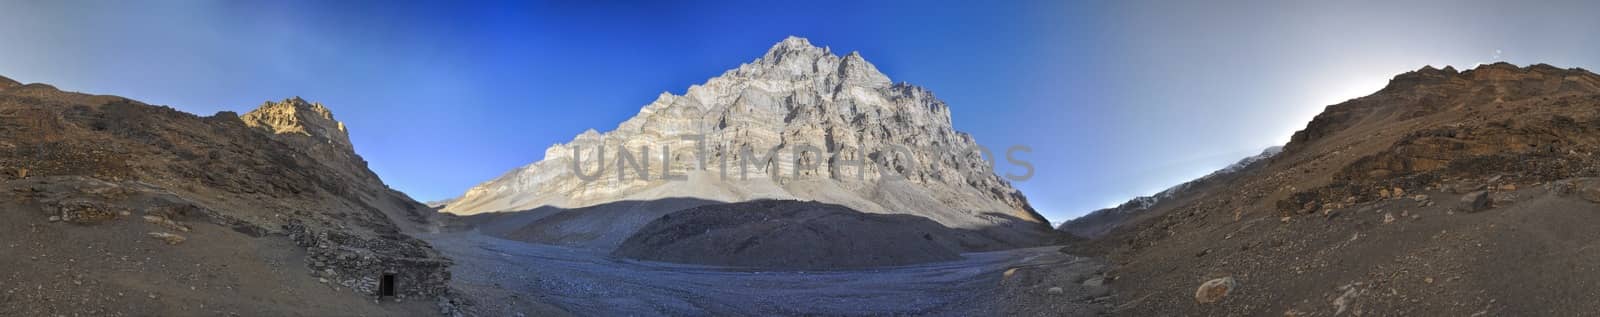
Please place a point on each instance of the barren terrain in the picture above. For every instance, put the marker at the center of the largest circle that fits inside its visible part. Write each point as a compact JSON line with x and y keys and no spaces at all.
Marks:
{"x":509,"y":277}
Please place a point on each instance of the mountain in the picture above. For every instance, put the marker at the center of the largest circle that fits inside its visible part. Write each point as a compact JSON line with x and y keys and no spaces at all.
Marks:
{"x":1099,"y":222}
{"x":1445,"y":193}
{"x":113,"y":206}
{"x":814,"y":110}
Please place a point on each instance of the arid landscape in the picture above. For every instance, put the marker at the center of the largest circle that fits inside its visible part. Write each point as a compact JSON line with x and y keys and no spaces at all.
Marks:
{"x":1446,"y":193}
{"x":738,"y":159}
{"x":121,"y":208}
{"x":1432,"y":195}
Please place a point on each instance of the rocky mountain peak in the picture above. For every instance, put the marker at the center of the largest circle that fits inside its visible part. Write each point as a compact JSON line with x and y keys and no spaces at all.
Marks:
{"x":297,"y":116}
{"x":792,"y":44}
{"x":795,"y":58}
{"x":795,"y":98}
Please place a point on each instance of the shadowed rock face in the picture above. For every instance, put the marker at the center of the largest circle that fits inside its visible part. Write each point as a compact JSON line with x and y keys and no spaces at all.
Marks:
{"x":787,"y":234}
{"x":795,"y":98}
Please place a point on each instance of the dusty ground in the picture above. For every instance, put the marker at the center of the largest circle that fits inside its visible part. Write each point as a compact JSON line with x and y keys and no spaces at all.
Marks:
{"x":1524,"y":256}
{"x":1075,"y":287}
{"x":508,"y":277}
{"x":114,"y":269}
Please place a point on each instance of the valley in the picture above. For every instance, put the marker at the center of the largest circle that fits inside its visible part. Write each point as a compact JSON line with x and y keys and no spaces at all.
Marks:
{"x":507,"y":277}
{"x":804,"y":181}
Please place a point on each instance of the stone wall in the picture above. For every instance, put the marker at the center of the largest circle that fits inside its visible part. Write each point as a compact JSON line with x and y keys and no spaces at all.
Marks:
{"x":359,"y":263}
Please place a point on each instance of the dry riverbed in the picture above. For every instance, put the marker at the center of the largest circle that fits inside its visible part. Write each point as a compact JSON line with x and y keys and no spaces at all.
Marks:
{"x":508,"y":278}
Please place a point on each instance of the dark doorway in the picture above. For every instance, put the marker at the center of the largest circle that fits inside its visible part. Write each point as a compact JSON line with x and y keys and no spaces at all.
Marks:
{"x":386,"y":286}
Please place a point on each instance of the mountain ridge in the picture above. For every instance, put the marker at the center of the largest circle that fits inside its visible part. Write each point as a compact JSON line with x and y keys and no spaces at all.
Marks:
{"x":1100,"y":222}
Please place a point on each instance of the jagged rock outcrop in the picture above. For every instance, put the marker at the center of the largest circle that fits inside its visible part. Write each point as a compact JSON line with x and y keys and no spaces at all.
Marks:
{"x":220,"y":204}
{"x":1444,"y":193}
{"x":296,"y":116}
{"x":797,"y":98}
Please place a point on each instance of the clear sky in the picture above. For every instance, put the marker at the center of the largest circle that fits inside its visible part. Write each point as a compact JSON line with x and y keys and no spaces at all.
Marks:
{"x":1117,"y":98}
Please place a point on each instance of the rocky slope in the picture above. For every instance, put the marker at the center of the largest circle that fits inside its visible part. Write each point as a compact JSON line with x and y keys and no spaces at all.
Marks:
{"x":805,"y":102}
{"x":1446,"y":193}
{"x":115,"y":207}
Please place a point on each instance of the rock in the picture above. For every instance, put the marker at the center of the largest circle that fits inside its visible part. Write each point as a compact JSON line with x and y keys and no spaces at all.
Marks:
{"x":1056,"y":291}
{"x":1388,"y":218}
{"x":1475,"y":201}
{"x":1096,"y":281}
{"x":86,"y":212}
{"x":170,"y":239}
{"x":1501,"y":198}
{"x":1214,"y":290}
{"x":1310,"y":207}
{"x":164,"y":222}
{"x":1464,"y":188}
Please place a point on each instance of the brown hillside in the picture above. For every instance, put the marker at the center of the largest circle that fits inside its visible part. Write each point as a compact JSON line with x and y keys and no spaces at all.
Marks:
{"x":1446,"y":193}
{"x":115,"y":207}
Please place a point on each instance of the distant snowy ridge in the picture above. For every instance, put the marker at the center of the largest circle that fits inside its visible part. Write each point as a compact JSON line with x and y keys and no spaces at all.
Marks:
{"x":1100,"y":222}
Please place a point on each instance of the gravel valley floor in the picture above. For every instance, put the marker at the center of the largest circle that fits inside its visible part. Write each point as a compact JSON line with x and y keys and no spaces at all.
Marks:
{"x":510,"y":278}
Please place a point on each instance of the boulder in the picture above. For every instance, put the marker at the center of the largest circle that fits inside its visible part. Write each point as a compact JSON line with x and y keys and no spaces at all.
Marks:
{"x":1214,"y":290}
{"x":1096,"y":281}
{"x":1475,"y":201}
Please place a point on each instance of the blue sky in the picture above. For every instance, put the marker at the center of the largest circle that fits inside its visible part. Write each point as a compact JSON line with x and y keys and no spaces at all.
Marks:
{"x":1117,"y":98}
